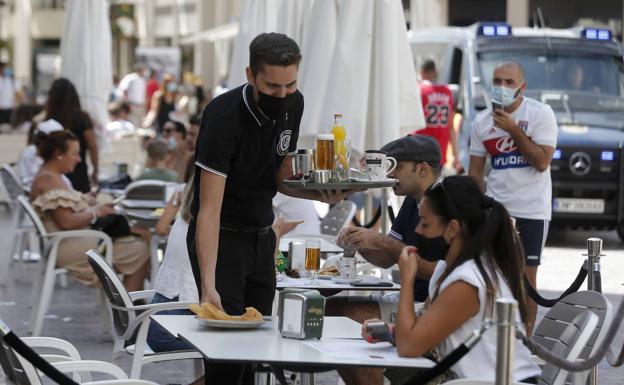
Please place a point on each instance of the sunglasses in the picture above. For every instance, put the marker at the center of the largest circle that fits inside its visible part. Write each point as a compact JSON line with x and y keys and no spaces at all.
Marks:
{"x":439,"y":184}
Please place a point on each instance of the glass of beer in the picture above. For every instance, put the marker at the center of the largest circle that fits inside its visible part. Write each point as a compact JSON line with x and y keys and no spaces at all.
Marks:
{"x":325,"y":152}
{"x":313,"y":257}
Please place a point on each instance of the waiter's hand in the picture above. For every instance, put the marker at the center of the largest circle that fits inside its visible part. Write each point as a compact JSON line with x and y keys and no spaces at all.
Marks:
{"x":211,"y":295}
{"x":335,"y":196}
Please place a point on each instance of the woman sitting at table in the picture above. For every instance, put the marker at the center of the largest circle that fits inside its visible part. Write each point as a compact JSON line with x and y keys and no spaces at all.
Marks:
{"x":484,"y":262}
{"x":63,"y":208}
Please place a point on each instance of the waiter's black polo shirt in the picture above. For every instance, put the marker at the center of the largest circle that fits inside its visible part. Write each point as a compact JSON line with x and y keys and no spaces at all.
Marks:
{"x":403,"y":229}
{"x":240,"y":143}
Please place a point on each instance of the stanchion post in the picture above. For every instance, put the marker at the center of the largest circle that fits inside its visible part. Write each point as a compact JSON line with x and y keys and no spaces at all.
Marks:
{"x":594,"y":252}
{"x":506,"y":309}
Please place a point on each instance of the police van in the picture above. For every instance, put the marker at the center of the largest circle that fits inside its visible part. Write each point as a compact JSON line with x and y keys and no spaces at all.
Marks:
{"x":579,"y":72}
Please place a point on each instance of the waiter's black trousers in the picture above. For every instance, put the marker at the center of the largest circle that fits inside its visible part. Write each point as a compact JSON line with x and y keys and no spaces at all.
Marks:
{"x":245,"y":276}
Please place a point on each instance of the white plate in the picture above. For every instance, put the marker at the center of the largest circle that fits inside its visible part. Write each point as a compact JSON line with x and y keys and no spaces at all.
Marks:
{"x":321,"y":276}
{"x":221,"y":324}
{"x":346,"y":280}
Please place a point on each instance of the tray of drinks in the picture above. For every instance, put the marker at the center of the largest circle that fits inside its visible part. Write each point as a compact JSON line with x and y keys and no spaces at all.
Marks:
{"x":351,"y":184}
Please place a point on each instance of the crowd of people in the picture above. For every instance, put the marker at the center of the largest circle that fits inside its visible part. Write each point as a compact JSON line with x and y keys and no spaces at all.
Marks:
{"x":459,"y":243}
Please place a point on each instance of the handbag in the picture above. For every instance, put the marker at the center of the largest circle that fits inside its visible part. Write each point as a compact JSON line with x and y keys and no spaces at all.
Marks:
{"x":115,"y":225}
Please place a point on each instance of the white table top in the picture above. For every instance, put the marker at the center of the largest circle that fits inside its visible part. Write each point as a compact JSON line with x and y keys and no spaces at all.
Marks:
{"x":284,"y":282}
{"x":341,"y":345}
{"x":327,"y":242}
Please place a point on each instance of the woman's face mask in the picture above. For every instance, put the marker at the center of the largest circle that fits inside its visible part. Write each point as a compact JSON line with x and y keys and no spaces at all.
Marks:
{"x":172,"y":87}
{"x":432,"y":248}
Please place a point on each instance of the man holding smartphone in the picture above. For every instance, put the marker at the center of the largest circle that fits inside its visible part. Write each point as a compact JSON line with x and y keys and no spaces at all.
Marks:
{"x":519,"y":135}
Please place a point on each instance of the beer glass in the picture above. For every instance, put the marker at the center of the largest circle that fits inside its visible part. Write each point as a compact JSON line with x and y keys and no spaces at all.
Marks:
{"x":325,"y":152}
{"x":313,"y":257}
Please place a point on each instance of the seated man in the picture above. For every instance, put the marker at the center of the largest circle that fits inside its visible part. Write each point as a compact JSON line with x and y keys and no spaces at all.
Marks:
{"x":418,"y":167}
{"x":156,"y":163}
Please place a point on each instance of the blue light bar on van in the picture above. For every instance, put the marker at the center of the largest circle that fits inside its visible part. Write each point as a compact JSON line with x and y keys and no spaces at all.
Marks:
{"x":494,"y":29}
{"x":597,"y":34}
{"x":607,"y":156}
{"x":557,"y":154}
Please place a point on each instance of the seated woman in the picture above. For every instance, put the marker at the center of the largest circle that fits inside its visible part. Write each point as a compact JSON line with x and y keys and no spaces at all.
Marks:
{"x":63,"y":208}
{"x":484,"y":262}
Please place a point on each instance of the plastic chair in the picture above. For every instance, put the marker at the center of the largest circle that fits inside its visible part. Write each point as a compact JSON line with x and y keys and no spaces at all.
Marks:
{"x":570,"y":329}
{"x":19,"y":229}
{"x":130,"y":320}
{"x":338,"y":217}
{"x":19,"y":371}
{"x":44,"y":283}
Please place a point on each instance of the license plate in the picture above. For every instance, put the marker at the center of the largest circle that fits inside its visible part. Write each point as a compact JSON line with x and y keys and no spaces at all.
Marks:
{"x":573,"y":205}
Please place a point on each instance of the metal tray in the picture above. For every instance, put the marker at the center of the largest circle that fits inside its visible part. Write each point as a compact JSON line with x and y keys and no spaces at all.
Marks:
{"x":350,"y":185}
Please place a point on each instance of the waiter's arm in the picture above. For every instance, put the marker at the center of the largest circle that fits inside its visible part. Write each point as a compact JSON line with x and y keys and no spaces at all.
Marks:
{"x":211,"y":191}
{"x":285,"y":171}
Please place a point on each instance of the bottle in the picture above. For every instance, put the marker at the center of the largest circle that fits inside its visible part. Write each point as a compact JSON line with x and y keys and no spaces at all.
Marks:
{"x":340,"y":135}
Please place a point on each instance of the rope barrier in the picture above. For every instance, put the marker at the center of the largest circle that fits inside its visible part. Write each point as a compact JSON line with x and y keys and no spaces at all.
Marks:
{"x":545,"y":302}
{"x":35,"y":359}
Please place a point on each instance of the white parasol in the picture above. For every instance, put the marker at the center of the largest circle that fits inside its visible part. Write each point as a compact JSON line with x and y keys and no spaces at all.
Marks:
{"x":86,"y":57}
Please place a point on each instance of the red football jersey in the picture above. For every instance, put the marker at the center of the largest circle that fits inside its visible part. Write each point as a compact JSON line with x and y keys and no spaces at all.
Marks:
{"x":437,"y":103}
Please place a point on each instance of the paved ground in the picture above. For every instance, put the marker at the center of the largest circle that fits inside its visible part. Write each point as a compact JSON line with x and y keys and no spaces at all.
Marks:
{"x":75,"y":316}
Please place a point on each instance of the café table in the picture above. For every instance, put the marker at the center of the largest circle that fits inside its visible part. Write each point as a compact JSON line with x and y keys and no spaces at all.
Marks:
{"x":340,"y":346}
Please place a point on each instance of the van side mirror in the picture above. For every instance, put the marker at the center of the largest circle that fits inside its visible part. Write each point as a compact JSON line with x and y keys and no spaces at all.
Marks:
{"x":455,"y":93}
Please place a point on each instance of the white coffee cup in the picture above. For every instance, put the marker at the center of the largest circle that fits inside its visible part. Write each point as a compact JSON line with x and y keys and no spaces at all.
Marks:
{"x":347,"y":267}
{"x":378,"y":164}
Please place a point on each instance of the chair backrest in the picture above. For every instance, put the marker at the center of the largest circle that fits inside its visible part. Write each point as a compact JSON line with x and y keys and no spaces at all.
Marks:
{"x":338,"y":217}
{"x":11,"y":182}
{"x":32,"y":215}
{"x":146,"y":190}
{"x":16,"y":369}
{"x":564,"y":327}
{"x":115,"y":292}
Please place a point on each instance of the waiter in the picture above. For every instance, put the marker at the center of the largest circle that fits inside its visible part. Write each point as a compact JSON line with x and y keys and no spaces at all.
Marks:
{"x":243,"y":154}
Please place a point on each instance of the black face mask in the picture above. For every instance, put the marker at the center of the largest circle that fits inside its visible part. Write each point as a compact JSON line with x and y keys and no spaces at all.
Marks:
{"x":274,"y":107}
{"x":431,"y":249}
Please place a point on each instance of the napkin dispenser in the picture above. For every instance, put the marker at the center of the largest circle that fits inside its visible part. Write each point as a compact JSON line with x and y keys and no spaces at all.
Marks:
{"x":302,"y":314}
{"x":296,"y":255}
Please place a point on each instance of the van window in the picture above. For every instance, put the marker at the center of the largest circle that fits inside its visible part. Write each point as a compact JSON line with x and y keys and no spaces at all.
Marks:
{"x":573,"y":74}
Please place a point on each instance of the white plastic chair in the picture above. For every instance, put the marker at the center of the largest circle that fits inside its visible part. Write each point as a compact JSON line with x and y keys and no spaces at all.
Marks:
{"x":338,"y":217}
{"x":44,"y":283}
{"x":19,"y":229}
{"x":130,"y":320}
{"x":19,"y":371}
{"x":570,"y":329}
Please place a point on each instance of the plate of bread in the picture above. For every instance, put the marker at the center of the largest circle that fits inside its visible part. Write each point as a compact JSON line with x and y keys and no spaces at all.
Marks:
{"x":209,"y":315}
{"x":328,"y":272}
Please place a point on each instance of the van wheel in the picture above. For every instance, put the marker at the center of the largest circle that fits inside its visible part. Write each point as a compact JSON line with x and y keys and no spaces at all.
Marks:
{"x":620,"y":230}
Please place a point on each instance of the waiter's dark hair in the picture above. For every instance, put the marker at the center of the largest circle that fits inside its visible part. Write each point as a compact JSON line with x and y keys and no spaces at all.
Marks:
{"x":488,"y":233}
{"x":274,"y":49}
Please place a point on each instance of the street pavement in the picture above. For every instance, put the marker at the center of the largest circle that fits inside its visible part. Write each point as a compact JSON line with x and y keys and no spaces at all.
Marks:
{"x":74,"y":314}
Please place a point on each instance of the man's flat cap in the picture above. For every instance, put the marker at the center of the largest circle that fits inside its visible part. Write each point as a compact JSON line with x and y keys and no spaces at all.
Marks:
{"x":419,"y":148}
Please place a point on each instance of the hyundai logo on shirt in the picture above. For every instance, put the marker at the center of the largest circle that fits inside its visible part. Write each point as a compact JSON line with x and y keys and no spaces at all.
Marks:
{"x":504,"y":153}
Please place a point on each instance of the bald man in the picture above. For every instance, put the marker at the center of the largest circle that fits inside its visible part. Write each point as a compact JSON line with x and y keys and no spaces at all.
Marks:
{"x":519,"y":139}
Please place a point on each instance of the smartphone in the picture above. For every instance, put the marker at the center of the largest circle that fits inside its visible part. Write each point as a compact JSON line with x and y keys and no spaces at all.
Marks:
{"x":380,"y":331}
{"x":496,"y":106}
